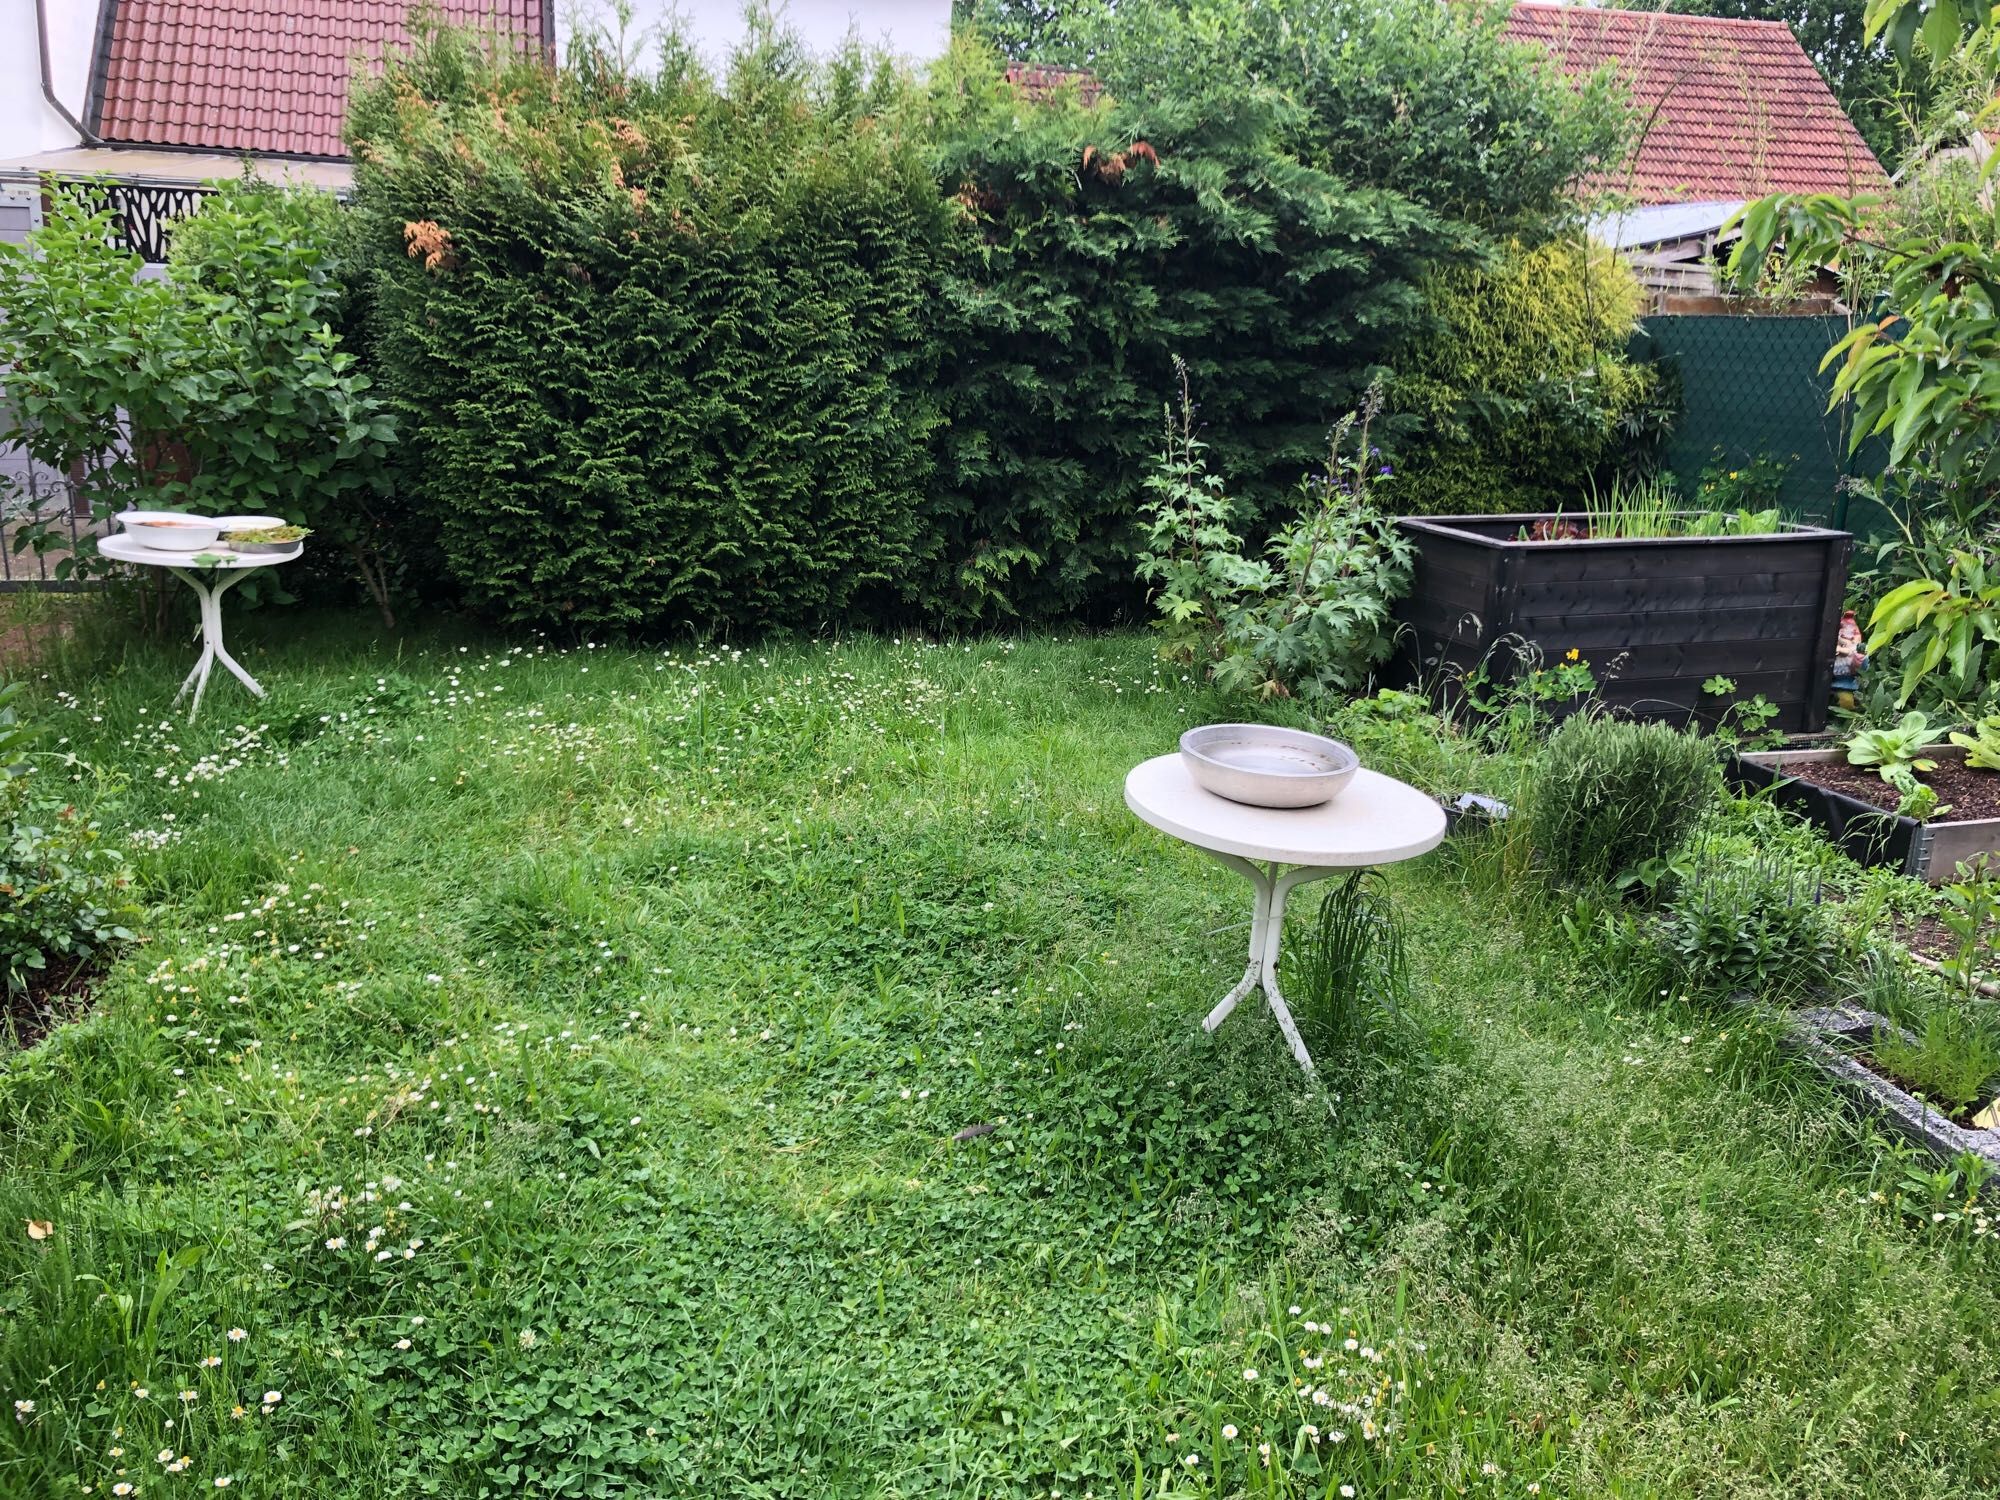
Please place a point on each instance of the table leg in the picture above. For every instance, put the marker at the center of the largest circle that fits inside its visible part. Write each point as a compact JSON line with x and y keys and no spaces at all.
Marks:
{"x":1267,"y":930}
{"x":1280,"y":889}
{"x":1260,"y":922}
{"x":212,"y":649}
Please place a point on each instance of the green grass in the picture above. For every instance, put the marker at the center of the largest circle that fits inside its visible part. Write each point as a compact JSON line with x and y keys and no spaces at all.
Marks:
{"x":649,"y":991}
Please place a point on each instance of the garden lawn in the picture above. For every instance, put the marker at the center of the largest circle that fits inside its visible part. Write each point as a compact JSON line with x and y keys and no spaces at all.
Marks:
{"x":544,"y":1075}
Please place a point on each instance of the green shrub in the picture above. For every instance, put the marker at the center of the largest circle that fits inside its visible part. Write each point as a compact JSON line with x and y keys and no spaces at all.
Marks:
{"x":1521,"y":381}
{"x":664,"y":354}
{"x":1099,"y":243}
{"x":1608,"y":795}
{"x":1757,"y":926}
{"x":221,"y":388}
{"x":62,"y":890}
{"x":1432,"y":102}
{"x":810,"y":345}
{"x":1265,"y":189}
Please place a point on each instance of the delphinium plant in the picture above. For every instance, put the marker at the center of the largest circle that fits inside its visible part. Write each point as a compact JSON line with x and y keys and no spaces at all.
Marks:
{"x":1758,"y":926}
{"x":1309,"y":620}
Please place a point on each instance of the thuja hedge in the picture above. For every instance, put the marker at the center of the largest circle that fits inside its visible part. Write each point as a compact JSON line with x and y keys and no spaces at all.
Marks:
{"x":1094,"y":244}
{"x":823,"y":345}
{"x":664,"y":356}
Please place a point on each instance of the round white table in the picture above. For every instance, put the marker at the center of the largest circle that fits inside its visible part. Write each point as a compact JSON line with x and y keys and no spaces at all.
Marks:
{"x":225,"y":567}
{"x":1377,"y":820}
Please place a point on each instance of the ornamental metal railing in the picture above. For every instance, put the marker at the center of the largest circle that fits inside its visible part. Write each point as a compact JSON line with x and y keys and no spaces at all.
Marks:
{"x":43,"y":517}
{"x":143,"y":214}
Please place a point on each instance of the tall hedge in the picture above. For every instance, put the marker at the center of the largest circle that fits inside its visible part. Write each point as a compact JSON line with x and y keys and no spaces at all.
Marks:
{"x":810,"y":345}
{"x":1096,"y":243}
{"x":663,"y":353}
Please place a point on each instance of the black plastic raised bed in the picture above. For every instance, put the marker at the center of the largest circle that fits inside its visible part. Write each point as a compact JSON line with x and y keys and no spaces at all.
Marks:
{"x":1868,"y":834}
{"x":1656,"y":617}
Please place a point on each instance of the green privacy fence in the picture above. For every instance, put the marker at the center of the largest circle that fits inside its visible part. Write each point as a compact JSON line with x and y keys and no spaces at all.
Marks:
{"x":1752,"y":388}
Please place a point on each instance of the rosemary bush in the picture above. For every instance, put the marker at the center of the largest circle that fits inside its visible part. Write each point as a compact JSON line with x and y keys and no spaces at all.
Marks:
{"x":1608,"y":795}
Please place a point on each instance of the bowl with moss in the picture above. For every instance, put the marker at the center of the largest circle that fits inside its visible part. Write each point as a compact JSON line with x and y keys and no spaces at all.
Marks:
{"x":266,"y":540}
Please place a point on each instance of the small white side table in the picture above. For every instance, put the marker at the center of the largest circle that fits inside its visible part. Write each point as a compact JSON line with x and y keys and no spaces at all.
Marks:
{"x":226,"y":569}
{"x":1377,"y":820}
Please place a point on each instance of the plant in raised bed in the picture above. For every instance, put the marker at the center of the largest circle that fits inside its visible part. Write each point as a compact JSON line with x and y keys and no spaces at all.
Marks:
{"x":1969,"y":909}
{"x":1744,"y":721}
{"x":1896,"y":754}
{"x":1952,"y":1059}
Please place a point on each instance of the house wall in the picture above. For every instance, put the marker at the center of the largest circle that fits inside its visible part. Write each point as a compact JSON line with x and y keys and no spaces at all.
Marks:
{"x":27,"y":124}
{"x":917,"y":29}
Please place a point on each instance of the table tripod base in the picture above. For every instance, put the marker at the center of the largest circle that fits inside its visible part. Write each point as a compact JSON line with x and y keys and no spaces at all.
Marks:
{"x":212,"y":649}
{"x":1267,"y":927}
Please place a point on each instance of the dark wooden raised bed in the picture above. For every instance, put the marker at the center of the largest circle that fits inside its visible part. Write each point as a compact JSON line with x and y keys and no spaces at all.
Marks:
{"x":1869,"y":835}
{"x":1761,"y":610}
{"x":1829,"y":1037}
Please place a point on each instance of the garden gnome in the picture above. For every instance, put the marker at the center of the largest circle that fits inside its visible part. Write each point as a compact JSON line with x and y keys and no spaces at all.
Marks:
{"x":1849,"y":662}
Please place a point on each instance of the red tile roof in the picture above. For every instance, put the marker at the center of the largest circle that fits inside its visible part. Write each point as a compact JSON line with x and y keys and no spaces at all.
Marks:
{"x":1041,"y":82}
{"x":1729,"y":109}
{"x":257,"y":75}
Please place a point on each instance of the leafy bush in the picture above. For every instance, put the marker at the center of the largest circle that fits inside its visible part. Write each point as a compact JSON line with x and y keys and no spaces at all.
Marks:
{"x":1521,"y":381}
{"x":15,"y":735}
{"x":1609,"y":795}
{"x":1312,"y":622}
{"x":61,"y":891}
{"x":221,"y":388}
{"x":664,"y":354}
{"x":1754,"y":925}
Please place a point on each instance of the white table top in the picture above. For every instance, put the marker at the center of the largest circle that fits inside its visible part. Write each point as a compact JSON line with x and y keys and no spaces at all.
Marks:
{"x":1377,"y":820}
{"x":130,"y":549}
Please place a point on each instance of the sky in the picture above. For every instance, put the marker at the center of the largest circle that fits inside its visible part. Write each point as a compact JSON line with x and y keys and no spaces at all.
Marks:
{"x":917,"y":29}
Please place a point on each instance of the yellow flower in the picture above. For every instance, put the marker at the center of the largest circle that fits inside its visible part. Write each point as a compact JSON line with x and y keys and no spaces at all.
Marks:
{"x":1571,"y":654}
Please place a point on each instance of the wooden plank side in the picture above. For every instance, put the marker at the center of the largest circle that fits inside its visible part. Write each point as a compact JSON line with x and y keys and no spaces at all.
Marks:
{"x":1446,"y":621}
{"x":1708,"y":591}
{"x":1701,"y":660}
{"x":1679,"y":559}
{"x":1819,"y":696}
{"x":1798,"y":625}
{"x":1452,"y":588}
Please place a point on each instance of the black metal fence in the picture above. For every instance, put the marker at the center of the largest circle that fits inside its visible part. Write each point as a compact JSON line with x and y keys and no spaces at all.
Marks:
{"x":42,"y":517}
{"x":144,"y":213}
